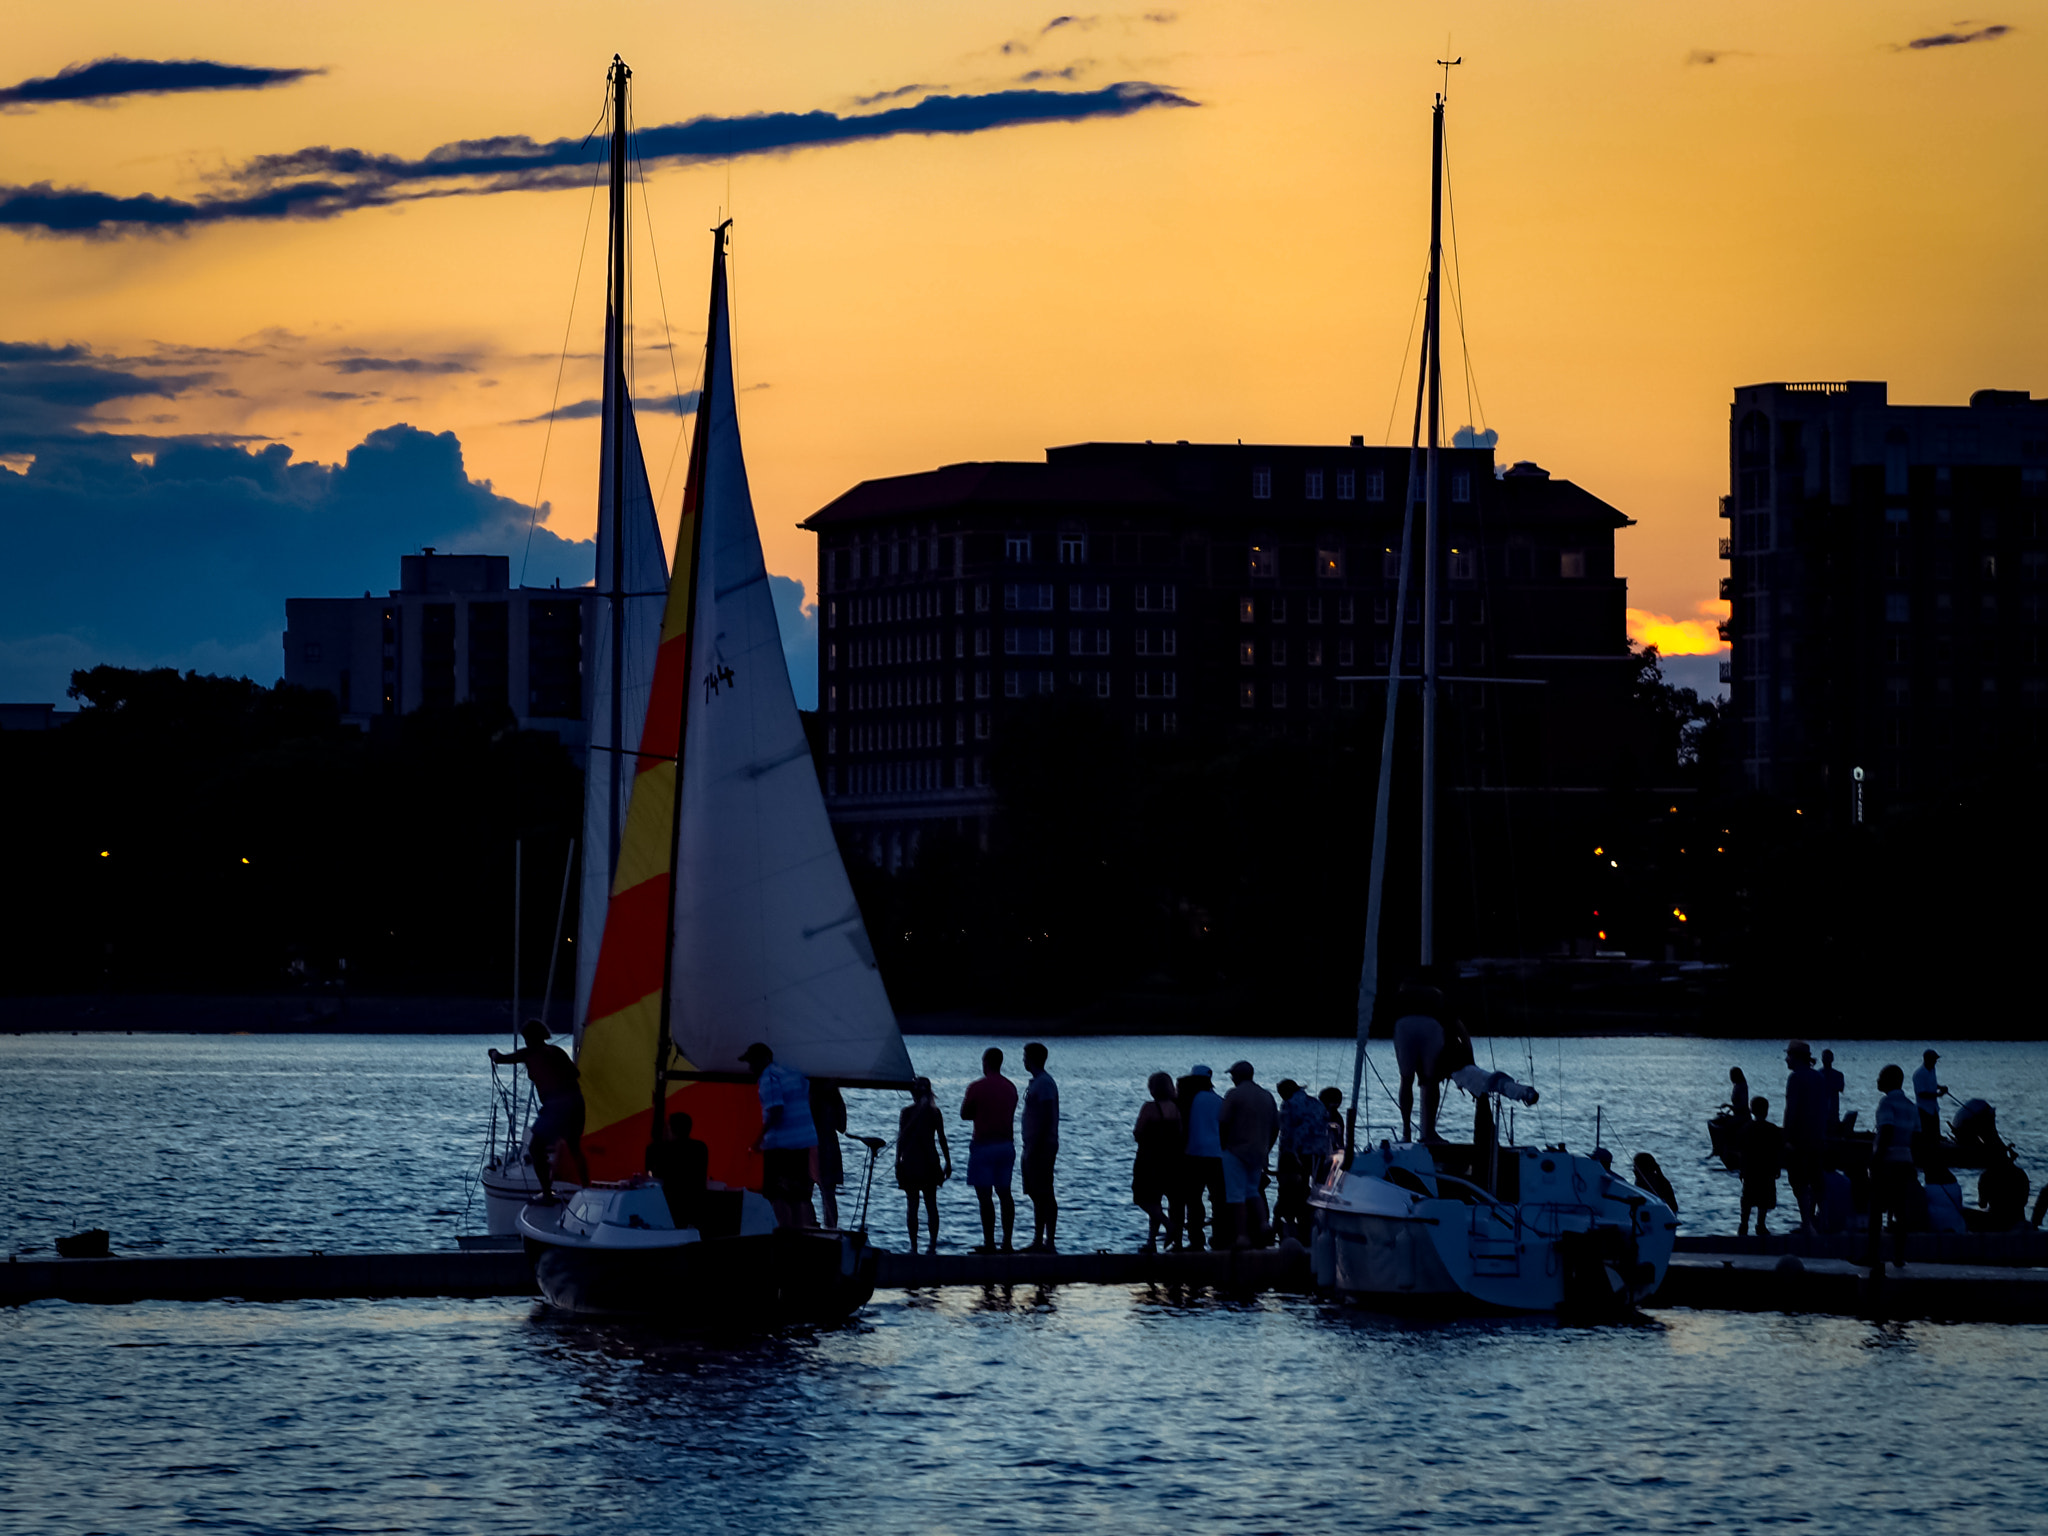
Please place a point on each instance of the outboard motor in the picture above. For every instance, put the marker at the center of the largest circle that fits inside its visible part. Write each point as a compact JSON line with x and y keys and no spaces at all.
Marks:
{"x":1976,"y":1125}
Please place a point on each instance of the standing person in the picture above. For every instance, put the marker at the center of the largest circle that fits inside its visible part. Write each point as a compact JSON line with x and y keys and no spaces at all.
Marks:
{"x":1894,"y":1187}
{"x":1928,"y":1094}
{"x":558,"y":1128}
{"x":1418,"y":1041}
{"x":1304,"y":1141}
{"x":1806,"y":1129}
{"x":923,"y":1160}
{"x":683,"y":1165}
{"x":1763,"y":1151}
{"x":2002,"y":1190}
{"x":1155,"y":1173}
{"x":991,"y":1105}
{"x":1332,"y":1100}
{"x":1248,"y":1124}
{"x":1202,"y":1164}
{"x":828,"y":1114}
{"x":788,"y":1141}
{"x":1835,"y":1082}
{"x":1041,"y":1147}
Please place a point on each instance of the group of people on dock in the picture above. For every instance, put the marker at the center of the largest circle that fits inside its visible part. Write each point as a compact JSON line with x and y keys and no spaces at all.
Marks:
{"x":1835,"y":1174}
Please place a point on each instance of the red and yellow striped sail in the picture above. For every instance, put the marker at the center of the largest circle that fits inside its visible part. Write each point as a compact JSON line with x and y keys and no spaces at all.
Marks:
{"x":622,"y":1028}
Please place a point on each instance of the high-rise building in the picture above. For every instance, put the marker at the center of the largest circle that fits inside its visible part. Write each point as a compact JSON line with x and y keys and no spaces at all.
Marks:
{"x":1886,"y":583}
{"x":1199,"y":590}
{"x":454,"y":630}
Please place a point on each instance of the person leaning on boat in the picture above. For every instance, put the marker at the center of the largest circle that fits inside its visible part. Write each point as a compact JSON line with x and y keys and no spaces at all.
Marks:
{"x":1432,"y":1043}
{"x":788,"y":1136}
{"x":560,"y":1121}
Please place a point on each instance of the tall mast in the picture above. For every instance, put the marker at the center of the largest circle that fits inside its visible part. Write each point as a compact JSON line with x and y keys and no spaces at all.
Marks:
{"x":615,"y":391}
{"x":1433,"y":326}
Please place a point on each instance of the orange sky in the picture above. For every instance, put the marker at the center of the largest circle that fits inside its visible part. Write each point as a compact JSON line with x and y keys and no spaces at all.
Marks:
{"x":1656,"y":203}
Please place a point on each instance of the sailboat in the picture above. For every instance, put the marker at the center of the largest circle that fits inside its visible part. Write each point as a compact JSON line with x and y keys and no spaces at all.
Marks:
{"x":622,"y":643}
{"x":730,"y":921}
{"x":1516,"y":1228}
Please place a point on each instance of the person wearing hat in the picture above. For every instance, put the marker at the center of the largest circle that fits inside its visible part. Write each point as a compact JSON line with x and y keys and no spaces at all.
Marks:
{"x":1928,"y":1094}
{"x":1248,"y":1125}
{"x":789,"y":1137}
{"x":1202,"y":1164}
{"x":558,"y":1128}
{"x":1806,"y":1125}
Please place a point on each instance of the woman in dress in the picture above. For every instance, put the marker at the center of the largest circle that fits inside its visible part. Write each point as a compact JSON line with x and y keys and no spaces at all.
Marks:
{"x":1155,"y":1174}
{"x":923,"y":1160}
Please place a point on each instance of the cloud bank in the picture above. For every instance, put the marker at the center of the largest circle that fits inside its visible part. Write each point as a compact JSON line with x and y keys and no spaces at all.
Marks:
{"x":109,"y":79}
{"x":321,"y":182}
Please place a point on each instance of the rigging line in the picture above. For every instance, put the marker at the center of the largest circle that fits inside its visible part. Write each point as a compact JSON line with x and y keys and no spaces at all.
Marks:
{"x":1458,"y":293}
{"x":667,"y":336}
{"x":568,"y":330}
{"x":1409,"y":346}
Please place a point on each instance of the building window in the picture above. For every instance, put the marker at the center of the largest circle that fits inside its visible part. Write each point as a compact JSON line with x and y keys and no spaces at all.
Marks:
{"x":1088,"y":642}
{"x":1157,"y":599}
{"x":1315,"y":610}
{"x":1102,"y":685}
{"x":1344,"y":610}
{"x":1247,"y":696}
{"x":1264,"y":565}
{"x":1245,"y":611}
{"x":1462,"y":565}
{"x":1315,"y":695}
{"x":1898,"y":608}
{"x":1382,"y":610}
{"x":1571,"y":564}
{"x":1347,"y":485}
{"x":981,"y":718}
{"x":1312,"y":485}
{"x":1073,"y":549}
{"x":1013,"y":685}
{"x":1262,"y":484}
{"x":1461,"y":485}
{"x":1279,"y":653}
{"x":1330,"y":564}
{"x":1382,"y":653}
{"x":1375,"y":485}
{"x":1028,"y":596}
{"x":1390,"y":565}
{"x":1279,"y":613}
{"x":1155,"y":642}
{"x":981,"y":642}
{"x":1027,"y":642}
{"x":1279,"y":695}
{"x":1157,"y":685}
{"x":913,"y":554}
{"x":1047,"y":681}
{"x":310,"y":651}
{"x":981,"y":685}
{"x":1315,"y":653}
{"x":1141,"y":723}
{"x":1347,"y":696}
{"x":1247,"y":654}
{"x":1017,"y":549}
{"x":1088,"y":599}
{"x":1344,"y":653}
{"x":1169,"y":723}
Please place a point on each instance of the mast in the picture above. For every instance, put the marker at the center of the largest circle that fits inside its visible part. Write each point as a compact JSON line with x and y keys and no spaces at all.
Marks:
{"x":1433,"y":324}
{"x":615,"y":351}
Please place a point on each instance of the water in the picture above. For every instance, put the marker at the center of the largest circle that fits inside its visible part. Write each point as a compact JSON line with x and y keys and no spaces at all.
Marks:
{"x":1069,"y":1409}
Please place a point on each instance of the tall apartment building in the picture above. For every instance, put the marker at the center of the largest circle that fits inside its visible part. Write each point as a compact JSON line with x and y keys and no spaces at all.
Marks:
{"x":453,"y":630}
{"x":1201,"y":590}
{"x":1886,"y":582}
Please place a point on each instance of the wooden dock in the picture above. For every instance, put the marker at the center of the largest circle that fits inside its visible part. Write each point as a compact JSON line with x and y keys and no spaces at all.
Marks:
{"x":1717,"y":1281}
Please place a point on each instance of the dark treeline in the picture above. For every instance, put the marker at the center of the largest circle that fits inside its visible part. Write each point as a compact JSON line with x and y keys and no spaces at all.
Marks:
{"x":1128,"y":882}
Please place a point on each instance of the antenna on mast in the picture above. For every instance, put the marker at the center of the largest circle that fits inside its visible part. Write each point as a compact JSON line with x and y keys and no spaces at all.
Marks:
{"x":1448,"y":66}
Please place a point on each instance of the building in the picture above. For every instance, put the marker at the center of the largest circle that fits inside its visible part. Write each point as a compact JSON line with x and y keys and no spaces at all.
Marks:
{"x":1885,"y":582}
{"x":1198,"y":591}
{"x":454,"y":630}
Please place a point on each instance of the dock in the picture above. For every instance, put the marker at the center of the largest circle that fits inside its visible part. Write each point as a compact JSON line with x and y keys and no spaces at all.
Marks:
{"x":1740,"y":1281}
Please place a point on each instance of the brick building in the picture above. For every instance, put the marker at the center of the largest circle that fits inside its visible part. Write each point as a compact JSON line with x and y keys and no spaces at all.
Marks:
{"x":1198,"y":591}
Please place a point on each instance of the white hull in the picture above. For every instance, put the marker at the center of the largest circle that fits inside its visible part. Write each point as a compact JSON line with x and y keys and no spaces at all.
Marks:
{"x":509,"y":1183}
{"x":1394,"y":1231}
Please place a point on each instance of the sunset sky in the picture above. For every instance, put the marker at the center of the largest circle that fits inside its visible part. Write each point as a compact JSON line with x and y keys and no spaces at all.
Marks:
{"x":1220,"y":236}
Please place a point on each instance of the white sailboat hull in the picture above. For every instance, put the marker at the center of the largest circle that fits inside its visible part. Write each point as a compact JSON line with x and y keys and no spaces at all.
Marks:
{"x":509,"y":1184}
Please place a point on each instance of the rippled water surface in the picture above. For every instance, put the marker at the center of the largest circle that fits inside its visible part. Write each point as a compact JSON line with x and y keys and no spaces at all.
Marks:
{"x":1068,"y":1409}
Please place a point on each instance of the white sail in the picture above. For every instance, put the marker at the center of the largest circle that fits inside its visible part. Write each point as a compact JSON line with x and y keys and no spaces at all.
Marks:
{"x":632,"y":585}
{"x":769,"y":944}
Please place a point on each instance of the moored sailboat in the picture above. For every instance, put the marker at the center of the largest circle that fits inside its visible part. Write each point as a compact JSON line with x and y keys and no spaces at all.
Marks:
{"x":1528,"y":1229}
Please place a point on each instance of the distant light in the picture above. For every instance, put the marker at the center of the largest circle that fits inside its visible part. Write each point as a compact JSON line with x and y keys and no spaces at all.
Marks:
{"x":1674,"y":810}
{"x":1675,"y":912}
{"x":1611,"y":863}
{"x":1720,"y":850}
{"x":105,"y":852}
{"x":1797,"y":812}
{"x":245,"y":861}
{"x":1598,"y":851}
{"x":1603,"y":933}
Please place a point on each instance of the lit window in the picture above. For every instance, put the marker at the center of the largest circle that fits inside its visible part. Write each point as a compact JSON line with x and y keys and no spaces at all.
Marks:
{"x":1244,"y":610}
{"x":1247,"y":696}
{"x":1247,"y":654}
{"x":1262,"y":484}
{"x":1330,"y":564}
{"x":1312,"y":485}
{"x":1264,"y":562}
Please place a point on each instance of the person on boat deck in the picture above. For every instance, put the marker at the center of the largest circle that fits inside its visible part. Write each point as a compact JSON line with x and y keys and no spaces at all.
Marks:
{"x":1041,"y":1129}
{"x":683,"y":1164}
{"x":1763,"y":1151}
{"x":1248,"y":1124}
{"x":1895,"y":1186}
{"x":1155,"y":1173}
{"x":1202,"y":1164}
{"x":2002,"y":1190}
{"x":558,"y":1128}
{"x":1304,"y":1142}
{"x":1944,"y":1201}
{"x":1928,"y":1094}
{"x":1806,"y":1128}
{"x":1831,"y":1076}
{"x":789,"y":1139}
{"x":1332,"y":1100}
{"x":1738,"y":1095}
{"x":1649,"y":1176}
{"x":1419,"y":1039}
{"x":828,"y":1114}
{"x":990,"y":1105}
{"x":923,"y":1160}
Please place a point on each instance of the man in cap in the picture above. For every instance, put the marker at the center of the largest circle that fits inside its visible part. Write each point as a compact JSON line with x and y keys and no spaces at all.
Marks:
{"x":788,"y":1139}
{"x":1806,"y":1127}
{"x":1202,"y":1167}
{"x":558,"y":1128}
{"x":1928,"y":1094}
{"x":1248,"y":1124}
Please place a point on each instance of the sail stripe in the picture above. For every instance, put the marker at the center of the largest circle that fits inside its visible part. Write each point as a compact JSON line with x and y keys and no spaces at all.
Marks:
{"x":638,"y":917}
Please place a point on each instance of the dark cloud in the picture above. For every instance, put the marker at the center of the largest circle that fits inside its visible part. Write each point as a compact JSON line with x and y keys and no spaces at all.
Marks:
{"x":321,"y":182}
{"x":48,"y":393}
{"x":645,"y":405}
{"x":1073,"y":71}
{"x":1957,"y":39}
{"x":188,"y":560}
{"x":1077,"y":23}
{"x":344,"y":394}
{"x":112,"y":78}
{"x":897,"y":94}
{"x":396,"y":365}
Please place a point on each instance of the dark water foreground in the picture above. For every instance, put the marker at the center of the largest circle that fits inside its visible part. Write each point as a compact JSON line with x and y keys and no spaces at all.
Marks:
{"x":1089,"y":1408}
